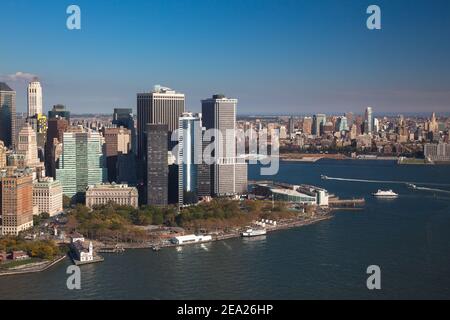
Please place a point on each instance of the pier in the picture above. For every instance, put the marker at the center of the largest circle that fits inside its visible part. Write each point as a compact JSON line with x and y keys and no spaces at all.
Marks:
{"x":115,"y":249}
{"x":347,"y":203}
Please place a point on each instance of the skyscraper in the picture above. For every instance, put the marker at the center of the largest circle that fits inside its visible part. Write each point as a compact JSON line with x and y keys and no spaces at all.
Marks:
{"x":342,"y":124}
{"x":27,"y":146}
{"x":307,"y":125}
{"x":16,"y":201}
{"x":7,"y":115}
{"x":157,"y":165}
{"x":82,"y":163}
{"x":291,"y":127}
{"x":55,"y":131}
{"x":161,"y":106}
{"x":59,"y":111}
{"x":204,"y":173}
{"x":34,"y":98}
{"x":2,"y":155}
{"x":124,"y":118}
{"x":368,"y":121}
{"x":117,"y":142}
{"x":189,"y":157}
{"x":219,"y":112}
{"x":319,"y":121}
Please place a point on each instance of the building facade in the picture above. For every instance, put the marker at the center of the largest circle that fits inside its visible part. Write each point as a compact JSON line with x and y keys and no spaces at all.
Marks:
{"x":82,"y":163}
{"x":59,"y":111}
{"x":7,"y":115}
{"x":157,"y":165}
{"x":34,"y":98}
{"x":189,"y":157}
{"x":319,"y":120}
{"x":123,"y":117}
{"x":16,"y":201}
{"x":439,"y":152}
{"x":368,"y":121}
{"x":55,"y":131}
{"x":161,"y":106}
{"x":120,"y":194}
{"x":219,"y":113}
{"x":117,"y":142}
{"x":27,"y":146}
{"x":48,"y":196}
{"x":3,"y":151}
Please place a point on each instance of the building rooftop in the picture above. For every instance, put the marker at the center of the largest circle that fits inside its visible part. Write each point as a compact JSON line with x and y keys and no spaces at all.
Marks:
{"x":289,"y":192}
{"x":109,"y":186}
{"x":5,"y":87}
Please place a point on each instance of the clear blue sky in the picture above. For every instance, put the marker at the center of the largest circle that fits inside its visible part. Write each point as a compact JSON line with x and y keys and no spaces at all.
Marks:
{"x":276,"y":56}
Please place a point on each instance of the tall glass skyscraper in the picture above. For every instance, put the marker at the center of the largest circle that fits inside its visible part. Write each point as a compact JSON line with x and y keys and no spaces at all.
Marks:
{"x":7,"y":115}
{"x":319,"y":121}
{"x":82,"y":163}
{"x":189,"y":157}
{"x":342,"y":124}
{"x":368,"y":122}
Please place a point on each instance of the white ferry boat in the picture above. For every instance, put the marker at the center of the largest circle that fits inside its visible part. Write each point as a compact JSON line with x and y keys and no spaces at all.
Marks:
{"x":254,"y":232}
{"x":385,"y":194}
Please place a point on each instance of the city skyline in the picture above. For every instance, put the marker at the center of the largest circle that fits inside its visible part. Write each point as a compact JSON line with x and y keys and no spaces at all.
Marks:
{"x":304,"y":58}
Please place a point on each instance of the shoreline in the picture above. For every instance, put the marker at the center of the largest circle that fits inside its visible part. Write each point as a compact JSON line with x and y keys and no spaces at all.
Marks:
{"x":233,"y":235}
{"x":36,"y":269}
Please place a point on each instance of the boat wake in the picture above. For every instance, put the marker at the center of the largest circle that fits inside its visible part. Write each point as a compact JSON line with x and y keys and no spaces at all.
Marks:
{"x":391,"y":182}
{"x":432,"y":189}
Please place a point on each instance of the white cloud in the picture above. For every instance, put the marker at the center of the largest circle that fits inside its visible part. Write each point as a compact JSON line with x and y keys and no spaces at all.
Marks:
{"x":19,"y":77}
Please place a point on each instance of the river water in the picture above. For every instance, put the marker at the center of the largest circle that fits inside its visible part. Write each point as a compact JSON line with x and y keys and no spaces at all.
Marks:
{"x":408,"y":238}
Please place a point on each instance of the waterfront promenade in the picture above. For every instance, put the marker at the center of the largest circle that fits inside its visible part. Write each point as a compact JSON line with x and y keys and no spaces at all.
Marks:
{"x":32,"y":267}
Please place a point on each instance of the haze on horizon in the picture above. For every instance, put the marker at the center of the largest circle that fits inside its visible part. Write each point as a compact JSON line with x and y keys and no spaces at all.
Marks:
{"x":275,"y":56}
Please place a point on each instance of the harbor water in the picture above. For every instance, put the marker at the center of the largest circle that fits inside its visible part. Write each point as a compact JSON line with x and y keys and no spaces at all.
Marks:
{"x":407,"y":237}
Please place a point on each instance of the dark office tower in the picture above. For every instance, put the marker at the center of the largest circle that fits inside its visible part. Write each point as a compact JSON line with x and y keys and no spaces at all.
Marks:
{"x":204,"y":175}
{"x":7,"y":115}
{"x":161,"y":106}
{"x":59,"y":111}
{"x":173,"y":183}
{"x":157,"y":165}
{"x":124,"y":118}
{"x":55,"y":131}
{"x":126,"y":169}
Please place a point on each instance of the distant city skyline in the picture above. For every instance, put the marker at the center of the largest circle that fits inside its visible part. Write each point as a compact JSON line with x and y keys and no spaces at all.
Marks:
{"x":313,"y":57}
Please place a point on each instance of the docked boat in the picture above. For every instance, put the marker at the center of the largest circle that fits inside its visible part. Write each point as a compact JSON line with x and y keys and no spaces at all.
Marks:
{"x":253,"y":233}
{"x":385,"y":194}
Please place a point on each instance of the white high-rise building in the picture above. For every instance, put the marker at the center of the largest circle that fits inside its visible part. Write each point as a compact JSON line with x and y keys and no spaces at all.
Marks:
{"x":229,"y":173}
{"x":48,"y":196}
{"x":189,"y":157}
{"x":34,"y":98}
{"x":27,"y":146}
{"x":368,"y":123}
